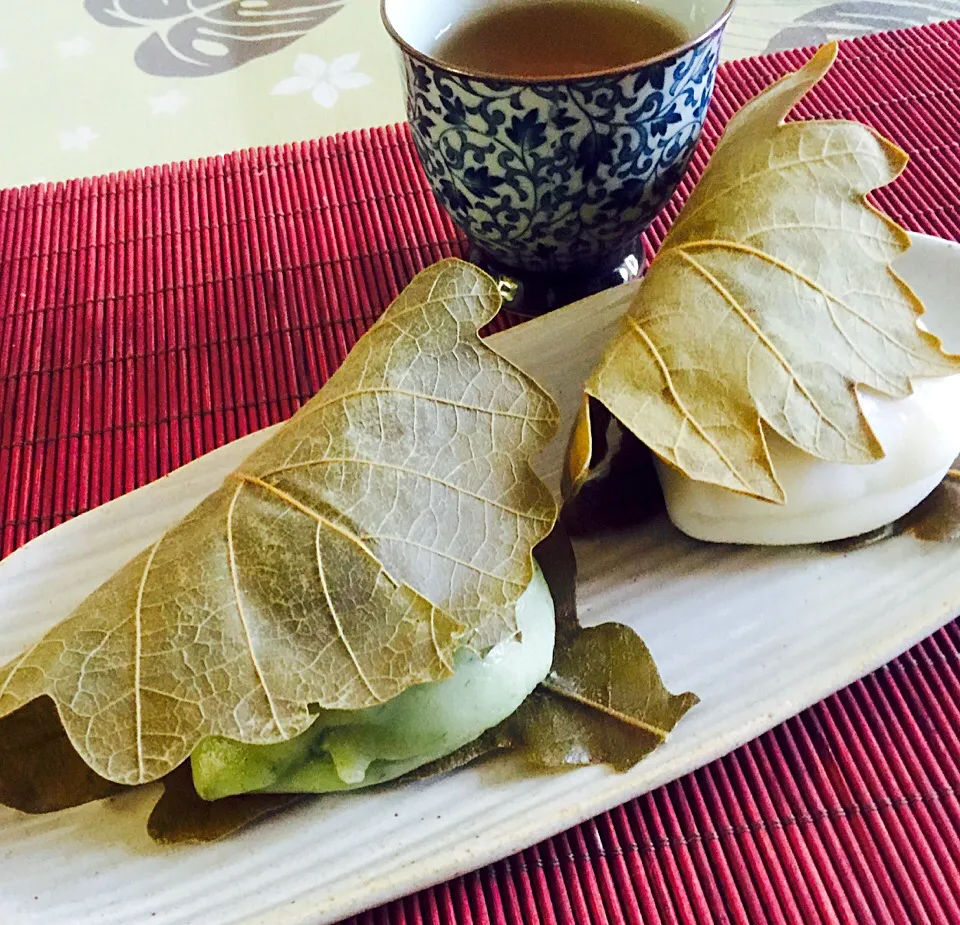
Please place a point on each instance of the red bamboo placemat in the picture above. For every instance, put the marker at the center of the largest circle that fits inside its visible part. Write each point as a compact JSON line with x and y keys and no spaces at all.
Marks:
{"x":147,"y":318}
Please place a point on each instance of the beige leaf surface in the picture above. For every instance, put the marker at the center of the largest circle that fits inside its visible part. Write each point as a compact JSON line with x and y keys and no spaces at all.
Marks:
{"x":390,"y":521}
{"x":770,"y":301}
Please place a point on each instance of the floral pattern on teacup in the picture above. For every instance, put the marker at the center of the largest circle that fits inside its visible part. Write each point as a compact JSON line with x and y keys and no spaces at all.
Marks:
{"x":559,"y":176}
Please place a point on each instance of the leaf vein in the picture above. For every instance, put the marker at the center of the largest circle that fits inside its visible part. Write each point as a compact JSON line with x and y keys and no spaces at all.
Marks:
{"x":138,"y":658}
{"x":235,"y":578}
{"x":443,"y":555}
{"x":562,"y":691}
{"x":803,"y":278}
{"x":780,"y":358}
{"x":335,"y":616}
{"x":680,"y":404}
{"x":378,"y":464}
{"x":406,"y":393}
{"x":761,"y":171}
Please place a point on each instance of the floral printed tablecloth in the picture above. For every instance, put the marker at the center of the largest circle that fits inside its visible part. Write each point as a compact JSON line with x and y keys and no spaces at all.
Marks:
{"x":94,"y":86}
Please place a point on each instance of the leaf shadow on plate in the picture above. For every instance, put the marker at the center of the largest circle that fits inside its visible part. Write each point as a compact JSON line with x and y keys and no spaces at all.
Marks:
{"x":181,"y":817}
{"x":935,"y":520}
{"x":40,"y":771}
{"x":622,"y":490}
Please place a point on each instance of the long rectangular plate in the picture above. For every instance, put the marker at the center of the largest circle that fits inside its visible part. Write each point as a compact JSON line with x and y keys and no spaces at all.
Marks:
{"x":759,"y":633}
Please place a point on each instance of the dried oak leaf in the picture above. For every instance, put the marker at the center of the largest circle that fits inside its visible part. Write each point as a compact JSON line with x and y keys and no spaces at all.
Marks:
{"x":603,"y":701}
{"x":390,"y":521}
{"x":770,"y":302}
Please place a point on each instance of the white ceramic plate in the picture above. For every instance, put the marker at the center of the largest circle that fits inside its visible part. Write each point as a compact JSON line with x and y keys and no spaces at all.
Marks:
{"x":760,"y":634}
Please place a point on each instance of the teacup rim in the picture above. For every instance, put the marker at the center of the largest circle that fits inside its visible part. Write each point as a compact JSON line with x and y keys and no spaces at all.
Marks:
{"x":622,"y":70}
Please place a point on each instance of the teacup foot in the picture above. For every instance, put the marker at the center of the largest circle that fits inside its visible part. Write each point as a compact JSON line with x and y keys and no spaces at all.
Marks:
{"x":532,"y":294}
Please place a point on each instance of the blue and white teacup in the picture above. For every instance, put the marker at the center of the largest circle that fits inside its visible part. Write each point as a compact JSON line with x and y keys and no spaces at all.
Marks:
{"x":556,"y":176}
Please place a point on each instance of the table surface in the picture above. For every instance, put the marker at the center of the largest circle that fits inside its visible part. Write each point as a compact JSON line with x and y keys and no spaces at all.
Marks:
{"x":104,"y":85}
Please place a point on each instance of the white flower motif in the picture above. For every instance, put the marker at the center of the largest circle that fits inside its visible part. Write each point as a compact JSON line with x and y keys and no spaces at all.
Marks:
{"x":323,"y":80}
{"x":78,"y":139}
{"x":73,"y":48}
{"x":171,"y":102}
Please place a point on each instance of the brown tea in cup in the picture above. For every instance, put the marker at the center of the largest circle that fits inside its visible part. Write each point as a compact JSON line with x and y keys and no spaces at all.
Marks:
{"x":559,"y":38}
